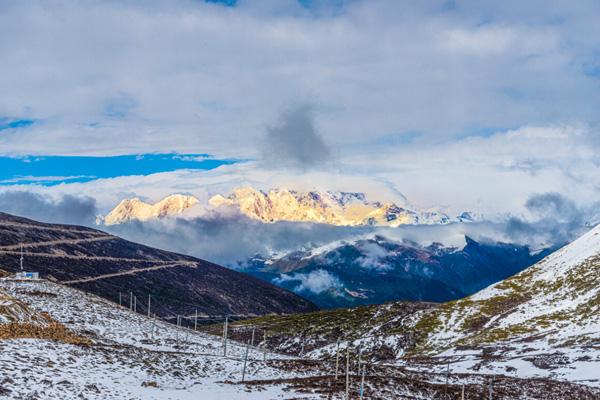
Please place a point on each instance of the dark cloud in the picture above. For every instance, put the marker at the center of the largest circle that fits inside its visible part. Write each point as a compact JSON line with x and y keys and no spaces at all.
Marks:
{"x":557,"y":220}
{"x":67,"y":209}
{"x":295,"y":142}
{"x":555,"y":206}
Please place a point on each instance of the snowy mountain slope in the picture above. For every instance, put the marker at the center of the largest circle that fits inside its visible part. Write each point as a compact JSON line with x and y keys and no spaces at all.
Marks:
{"x":136,"y":209}
{"x":547,"y":315}
{"x":127,"y":350}
{"x":558,"y":298}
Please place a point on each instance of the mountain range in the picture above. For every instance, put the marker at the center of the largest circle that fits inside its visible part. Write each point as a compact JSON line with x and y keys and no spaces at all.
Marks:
{"x":377,"y":270}
{"x":326,"y":207}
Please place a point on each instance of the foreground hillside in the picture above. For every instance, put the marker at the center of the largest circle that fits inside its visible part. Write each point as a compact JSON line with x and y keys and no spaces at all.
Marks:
{"x":541,"y":323}
{"x":109,"y":266}
{"x":119,"y":354}
{"x":108,"y":352}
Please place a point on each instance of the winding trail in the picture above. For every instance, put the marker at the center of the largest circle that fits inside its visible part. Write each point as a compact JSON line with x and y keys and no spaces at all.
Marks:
{"x":52,"y":228}
{"x":97,"y":236}
{"x":127,"y":272}
{"x":55,"y":242}
{"x":97,"y":258}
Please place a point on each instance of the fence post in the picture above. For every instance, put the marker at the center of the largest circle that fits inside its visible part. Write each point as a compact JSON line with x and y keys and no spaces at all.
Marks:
{"x":347,"y":371}
{"x":362,"y":382}
{"x":447,"y":376}
{"x":265,"y":345}
{"x":225,"y":336}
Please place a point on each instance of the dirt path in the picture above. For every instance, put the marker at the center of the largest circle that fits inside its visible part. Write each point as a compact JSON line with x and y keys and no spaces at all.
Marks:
{"x":55,"y":242}
{"x":128,"y":272}
{"x":51,"y":228}
{"x":98,"y":258}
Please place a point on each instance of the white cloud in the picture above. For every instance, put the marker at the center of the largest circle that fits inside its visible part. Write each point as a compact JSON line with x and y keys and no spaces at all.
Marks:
{"x":107,"y":77}
{"x":130,"y":77}
{"x":317,"y":281}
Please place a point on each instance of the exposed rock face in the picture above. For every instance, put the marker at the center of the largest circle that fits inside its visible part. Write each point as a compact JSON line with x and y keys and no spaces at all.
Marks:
{"x":335,"y":208}
{"x":136,"y":209}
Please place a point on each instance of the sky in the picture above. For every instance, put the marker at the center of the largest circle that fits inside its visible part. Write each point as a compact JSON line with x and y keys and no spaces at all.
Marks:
{"x":458,"y":105}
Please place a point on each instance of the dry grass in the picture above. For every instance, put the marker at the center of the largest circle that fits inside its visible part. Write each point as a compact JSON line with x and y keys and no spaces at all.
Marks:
{"x":53,"y":331}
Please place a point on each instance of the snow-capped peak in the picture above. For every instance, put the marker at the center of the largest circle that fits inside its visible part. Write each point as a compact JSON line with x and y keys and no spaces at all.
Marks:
{"x":136,"y":209}
{"x":330,"y":207}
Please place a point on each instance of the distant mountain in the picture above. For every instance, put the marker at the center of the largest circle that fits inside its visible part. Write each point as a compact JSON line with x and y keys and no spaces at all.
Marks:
{"x":378,"y":270}
{"x":107,"y":265}
{"x":135,"y":209}
{"x":335,"y":208}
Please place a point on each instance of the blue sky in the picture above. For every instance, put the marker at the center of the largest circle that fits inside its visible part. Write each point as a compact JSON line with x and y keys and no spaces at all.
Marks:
{"x":53,"y":170}
{"x":6,"y":123}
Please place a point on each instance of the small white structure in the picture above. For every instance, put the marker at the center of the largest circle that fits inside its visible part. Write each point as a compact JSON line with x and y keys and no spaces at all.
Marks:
{"x":23,"y":275}
{"x":27,"y":275}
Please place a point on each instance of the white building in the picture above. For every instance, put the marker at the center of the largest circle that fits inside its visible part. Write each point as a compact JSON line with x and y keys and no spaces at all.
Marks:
{"x":27,"y":275}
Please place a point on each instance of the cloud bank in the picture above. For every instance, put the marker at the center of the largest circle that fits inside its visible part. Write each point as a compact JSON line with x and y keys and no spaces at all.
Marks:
{"x":188,"y":76}
{"x":67,"y":209}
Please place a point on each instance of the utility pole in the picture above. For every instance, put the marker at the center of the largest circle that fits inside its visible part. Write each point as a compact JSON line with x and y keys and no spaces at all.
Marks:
{"x":462,"y":396}
{"x":21,"y":259}
{"x":119,"y":298}
{"x":225,"y":336}
{"x":252,"y":342}
{"x":359,"y":361}
{"x":337,"y":358}
{"x":134,"y":304}
{"x":131,"y":301}
{"x":148,"y":306}
{"x":245,"y":361}
{"x":196,"y":319}
{"x":347,"y":372}
{"x":490,"y":391}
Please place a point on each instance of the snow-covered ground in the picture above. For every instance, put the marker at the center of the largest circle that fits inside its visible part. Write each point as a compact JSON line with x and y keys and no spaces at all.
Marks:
{"x":133,"y":357}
